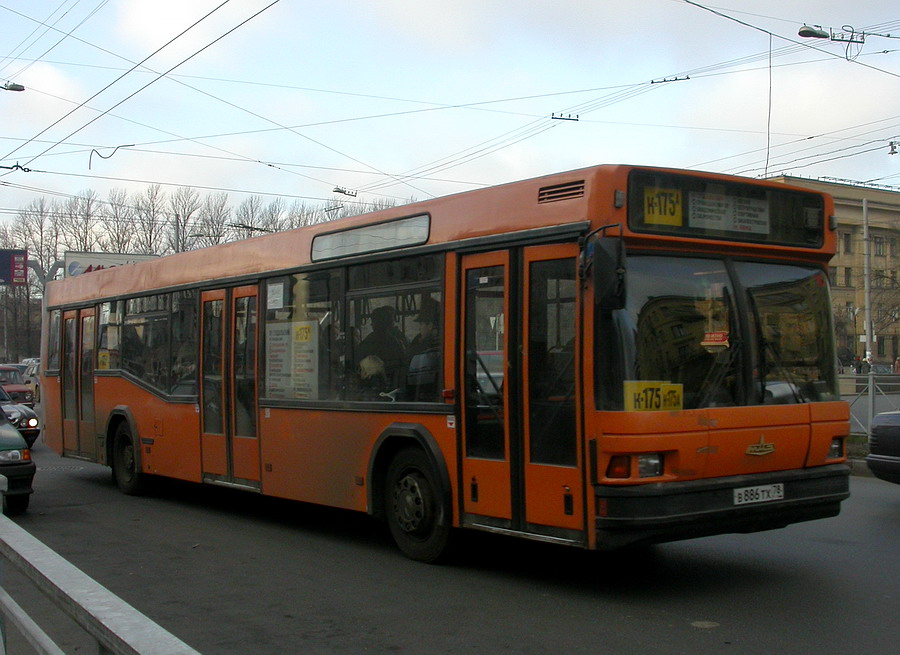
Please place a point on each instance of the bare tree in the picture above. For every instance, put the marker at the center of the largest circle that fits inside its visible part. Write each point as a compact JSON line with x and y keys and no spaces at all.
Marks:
{"x":117,"y":219}
{"x":184,"y":203}
{"x":212,"y":221}
{"x":274,"y":217}
{"x":247,"y":217}
{"x":78,"y":222}
{"x":37,"y":230}
{"x":150,"y":215}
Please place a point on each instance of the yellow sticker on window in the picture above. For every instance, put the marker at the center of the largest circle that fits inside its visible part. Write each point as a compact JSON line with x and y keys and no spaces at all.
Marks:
{"x":652,"y":396}
{"x":663,"y":206}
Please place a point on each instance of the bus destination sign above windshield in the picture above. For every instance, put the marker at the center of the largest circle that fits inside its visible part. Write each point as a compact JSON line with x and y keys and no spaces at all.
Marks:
{"x":706,"y":211}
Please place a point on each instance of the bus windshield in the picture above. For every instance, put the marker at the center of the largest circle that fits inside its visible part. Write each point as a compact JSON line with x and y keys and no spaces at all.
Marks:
{"x":710,"y":333}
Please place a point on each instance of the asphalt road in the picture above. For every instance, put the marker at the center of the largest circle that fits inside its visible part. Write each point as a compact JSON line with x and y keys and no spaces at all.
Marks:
{"x":234,"y":573}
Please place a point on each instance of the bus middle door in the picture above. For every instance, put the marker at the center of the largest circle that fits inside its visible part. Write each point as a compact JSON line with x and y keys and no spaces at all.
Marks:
{"x":228,"y":394}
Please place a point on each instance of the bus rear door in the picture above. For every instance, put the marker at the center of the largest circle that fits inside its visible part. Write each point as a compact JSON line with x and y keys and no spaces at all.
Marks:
{"x":79,"y":433}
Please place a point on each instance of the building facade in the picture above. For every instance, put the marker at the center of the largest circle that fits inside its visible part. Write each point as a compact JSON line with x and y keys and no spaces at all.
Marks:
{"x":848,"y":269}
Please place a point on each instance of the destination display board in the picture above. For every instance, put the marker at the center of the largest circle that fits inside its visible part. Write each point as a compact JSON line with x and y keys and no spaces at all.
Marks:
{"x":691,"y":206}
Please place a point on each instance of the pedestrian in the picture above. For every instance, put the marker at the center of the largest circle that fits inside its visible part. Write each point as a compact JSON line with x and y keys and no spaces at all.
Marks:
{"x":897,"y":365}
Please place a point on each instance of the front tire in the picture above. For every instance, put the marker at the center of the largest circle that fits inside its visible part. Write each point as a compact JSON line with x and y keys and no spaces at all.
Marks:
{"x":417,"y":515}
{"x":126,"y":473}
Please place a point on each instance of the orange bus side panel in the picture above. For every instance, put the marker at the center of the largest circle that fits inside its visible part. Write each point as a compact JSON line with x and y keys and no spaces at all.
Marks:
{"x":323,"y":456}
{"x":169,"y":432}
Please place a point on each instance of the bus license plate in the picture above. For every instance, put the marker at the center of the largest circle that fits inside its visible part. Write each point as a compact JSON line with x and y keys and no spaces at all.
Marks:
{"x":761,"y":494}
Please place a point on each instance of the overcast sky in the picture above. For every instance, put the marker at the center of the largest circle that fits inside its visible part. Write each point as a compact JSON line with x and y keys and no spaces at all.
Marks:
{"x":409,"y":99}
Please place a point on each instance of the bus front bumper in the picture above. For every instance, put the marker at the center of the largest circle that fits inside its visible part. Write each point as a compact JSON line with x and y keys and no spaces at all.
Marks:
{"x":653,"y":513}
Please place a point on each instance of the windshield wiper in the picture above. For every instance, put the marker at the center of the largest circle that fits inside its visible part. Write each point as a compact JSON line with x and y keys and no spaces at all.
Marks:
{"x":762,"y":366}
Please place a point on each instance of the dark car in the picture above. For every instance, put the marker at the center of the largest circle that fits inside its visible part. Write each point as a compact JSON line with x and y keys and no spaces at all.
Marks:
{"x":884,"y":447}
{"x":11,"y":380}
{"x":16,"y":466}
{"x":22,"y":417}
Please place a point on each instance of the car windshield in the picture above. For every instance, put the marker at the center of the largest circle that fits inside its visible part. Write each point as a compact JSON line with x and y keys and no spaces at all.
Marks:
{"x":11,"y":376}
{"x":716,"y":333}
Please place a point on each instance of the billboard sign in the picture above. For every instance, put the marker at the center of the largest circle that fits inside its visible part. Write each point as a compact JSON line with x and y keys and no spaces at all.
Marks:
{"x":13,"y":267}
{"x":79,"y":263}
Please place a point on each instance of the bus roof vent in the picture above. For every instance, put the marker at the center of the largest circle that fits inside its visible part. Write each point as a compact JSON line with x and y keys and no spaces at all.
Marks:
{"x":565,"y":191}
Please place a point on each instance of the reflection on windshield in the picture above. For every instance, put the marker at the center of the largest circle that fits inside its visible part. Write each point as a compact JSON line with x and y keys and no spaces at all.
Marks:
{"x":680,"y":343}
{"x":791,"y":336}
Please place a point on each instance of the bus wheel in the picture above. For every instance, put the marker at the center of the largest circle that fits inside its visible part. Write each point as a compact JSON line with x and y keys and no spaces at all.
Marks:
{"x":417,"y":519}
{"x":124,"y":465}
{"x":16,"y":504}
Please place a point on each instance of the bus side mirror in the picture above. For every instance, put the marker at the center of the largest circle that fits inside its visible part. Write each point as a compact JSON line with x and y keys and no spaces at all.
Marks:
{"x":608,"y":267}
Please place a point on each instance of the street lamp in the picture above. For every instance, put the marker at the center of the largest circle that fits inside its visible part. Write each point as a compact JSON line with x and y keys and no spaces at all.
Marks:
{"x":813,"y":32}
{"x":849,"y":35}
{"x":12,"y":86}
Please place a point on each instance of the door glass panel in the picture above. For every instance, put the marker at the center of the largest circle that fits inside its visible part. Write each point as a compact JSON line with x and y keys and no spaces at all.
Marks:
{"x":244,"y":366}
{"x":87,"y":368}
{"x":212,"y":367}
{"x":70,"y":354}
{"x":485,"y":363}
{"x":551,"y":364}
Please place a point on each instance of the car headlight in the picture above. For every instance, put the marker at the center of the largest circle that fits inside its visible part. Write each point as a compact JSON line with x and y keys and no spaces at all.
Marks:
{"x":31,"y":422}
{"x":29,"y":395}
{"x":11,"y":456}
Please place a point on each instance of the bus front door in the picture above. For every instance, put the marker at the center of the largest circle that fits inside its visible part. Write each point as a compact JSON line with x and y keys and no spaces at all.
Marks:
{"x":228,"y":394}
{"x":79,"y":430}
{"x":522,"y":468}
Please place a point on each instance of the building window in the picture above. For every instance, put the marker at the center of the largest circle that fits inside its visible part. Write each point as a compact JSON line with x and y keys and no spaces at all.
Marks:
{"x":848,"y":276}
{"x":879,"y":246}
{"x":847,"y":243}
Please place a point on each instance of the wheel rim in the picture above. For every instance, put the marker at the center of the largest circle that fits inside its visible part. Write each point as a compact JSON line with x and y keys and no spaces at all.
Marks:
{"x":412,"y":503}
{"x":127,"y":459}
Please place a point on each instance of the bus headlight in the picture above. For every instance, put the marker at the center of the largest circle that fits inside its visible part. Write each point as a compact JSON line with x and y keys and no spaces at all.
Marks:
{"x":650,"y":465}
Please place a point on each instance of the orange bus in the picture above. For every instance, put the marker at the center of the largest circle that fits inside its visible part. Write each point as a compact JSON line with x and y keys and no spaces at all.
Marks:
{"x":609,"y":356}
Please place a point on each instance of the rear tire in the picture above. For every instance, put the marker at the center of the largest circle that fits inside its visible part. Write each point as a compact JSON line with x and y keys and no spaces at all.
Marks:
{"x":126,"y":473}
{"x":17,"y":504}
{"x":417,"y":515}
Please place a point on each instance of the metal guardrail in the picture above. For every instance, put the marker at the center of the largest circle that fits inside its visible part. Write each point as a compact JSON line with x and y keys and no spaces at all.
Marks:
{"x":879,"y":392}
{"x":117,"y":627}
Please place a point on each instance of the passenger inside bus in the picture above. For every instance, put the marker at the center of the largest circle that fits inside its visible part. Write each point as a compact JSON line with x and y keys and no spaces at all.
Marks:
{"x":382,"y":354}
{"x":424,"y":354}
